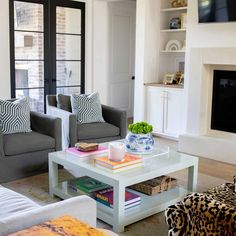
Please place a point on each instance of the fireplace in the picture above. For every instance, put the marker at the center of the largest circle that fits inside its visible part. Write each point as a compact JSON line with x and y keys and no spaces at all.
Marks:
{"x":223,"y":116}
{"x":211,"y":104}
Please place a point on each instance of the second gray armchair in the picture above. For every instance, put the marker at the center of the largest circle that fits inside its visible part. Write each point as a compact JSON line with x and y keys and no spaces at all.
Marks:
{"x":114,"y":127}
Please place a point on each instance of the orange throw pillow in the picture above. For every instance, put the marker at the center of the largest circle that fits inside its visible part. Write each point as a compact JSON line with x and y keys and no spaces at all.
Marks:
{"x":63,"y":226}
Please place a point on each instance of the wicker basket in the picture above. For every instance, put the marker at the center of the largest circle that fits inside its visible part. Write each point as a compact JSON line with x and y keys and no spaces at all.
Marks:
{"x":156,"y":185}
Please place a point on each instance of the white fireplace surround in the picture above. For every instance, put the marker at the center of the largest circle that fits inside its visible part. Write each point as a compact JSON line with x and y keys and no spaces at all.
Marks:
{"x":199,"y":139}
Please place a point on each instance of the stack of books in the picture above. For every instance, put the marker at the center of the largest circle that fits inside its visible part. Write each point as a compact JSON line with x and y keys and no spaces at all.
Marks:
{"x":78,"y":153}
{"x":129,"y":162}
{"x":86,"y":185}
{"x":105,"y":197}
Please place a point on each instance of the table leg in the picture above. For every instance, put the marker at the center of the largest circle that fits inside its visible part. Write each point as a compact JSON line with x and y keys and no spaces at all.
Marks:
{"x":53,"y":176}
{"x":192,"y":178}
{"x":118,"y":208}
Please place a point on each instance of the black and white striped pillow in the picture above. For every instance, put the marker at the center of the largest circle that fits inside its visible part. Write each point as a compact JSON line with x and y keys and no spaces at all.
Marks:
{"x":87,"y":107}
{"x":15,"y":116}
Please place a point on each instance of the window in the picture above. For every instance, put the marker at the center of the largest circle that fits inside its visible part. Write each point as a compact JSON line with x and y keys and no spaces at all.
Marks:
{"x":47,"y":49}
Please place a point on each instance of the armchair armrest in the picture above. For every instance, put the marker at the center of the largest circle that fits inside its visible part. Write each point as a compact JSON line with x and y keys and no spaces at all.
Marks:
{"x":2,"y":154}
{"x":48,"y":125}
{"x":69,"y":125}
{"x":82,"y":208}
{"x":116,"y":117}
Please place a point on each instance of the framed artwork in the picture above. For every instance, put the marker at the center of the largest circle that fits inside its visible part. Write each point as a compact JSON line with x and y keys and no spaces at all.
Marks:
{"x":168,"y":78}
{"x":179,"y":65}
{"x":183,"y":20}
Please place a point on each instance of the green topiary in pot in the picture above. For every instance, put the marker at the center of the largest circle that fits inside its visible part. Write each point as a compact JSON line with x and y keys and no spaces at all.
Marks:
{"x":140,"y":128}
{"x":139,"y":139}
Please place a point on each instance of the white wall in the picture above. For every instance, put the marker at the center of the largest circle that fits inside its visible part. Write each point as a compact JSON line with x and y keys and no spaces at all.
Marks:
{"x":147,"y":45}
{"x":210,"y":34}
{"x":101,"y":49}
{"x":4,"y":51}
{"x":204,"y":35}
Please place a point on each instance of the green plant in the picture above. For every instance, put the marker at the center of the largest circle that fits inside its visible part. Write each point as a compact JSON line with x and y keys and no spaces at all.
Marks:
{"x":140,"y":128}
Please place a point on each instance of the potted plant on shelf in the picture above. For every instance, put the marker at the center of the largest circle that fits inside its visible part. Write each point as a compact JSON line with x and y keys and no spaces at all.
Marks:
{"x":139,"y":139}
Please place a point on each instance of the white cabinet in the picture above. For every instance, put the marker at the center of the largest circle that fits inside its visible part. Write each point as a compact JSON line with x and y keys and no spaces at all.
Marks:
{"x":165,"y":110}
{"x":155,"y":107}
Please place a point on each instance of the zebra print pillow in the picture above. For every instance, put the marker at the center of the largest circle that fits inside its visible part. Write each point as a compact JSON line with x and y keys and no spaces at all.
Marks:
{"x":87,"y":107}
{"x":15,"y":116}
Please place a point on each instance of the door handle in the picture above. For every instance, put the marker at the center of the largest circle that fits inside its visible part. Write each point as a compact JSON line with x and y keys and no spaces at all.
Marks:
{"x":133,"y":77}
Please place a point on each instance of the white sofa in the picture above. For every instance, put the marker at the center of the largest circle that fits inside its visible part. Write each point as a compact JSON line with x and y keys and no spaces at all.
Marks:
{"x":17,"y":212}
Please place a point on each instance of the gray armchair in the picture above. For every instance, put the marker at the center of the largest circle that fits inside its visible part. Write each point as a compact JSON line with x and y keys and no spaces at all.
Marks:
{"x":114,"y":127}
{"x":26,"y":154}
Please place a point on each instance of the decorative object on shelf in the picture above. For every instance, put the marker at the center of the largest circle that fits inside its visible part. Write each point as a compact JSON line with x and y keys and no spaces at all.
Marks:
{"x":181,"y":80}
{"x":183,"y":19}
{"x":179,"y":64}
{"x":178,"y":3}
{"x":179,"y":77}
{"x":175,"y":23}
{"x":139,"y":139}
{"x":168,"y":79}
{"x":156,"y":185}
{"x":116,"y":151}
{"x":173,"y":45}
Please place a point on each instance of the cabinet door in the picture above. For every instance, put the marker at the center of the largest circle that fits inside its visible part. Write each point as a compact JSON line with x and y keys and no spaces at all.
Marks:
{"x":155,"y":105}
{"x":173,"y":114}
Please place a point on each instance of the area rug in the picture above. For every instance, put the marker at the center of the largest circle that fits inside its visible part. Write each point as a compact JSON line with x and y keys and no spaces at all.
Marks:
{"x":36,"y":188}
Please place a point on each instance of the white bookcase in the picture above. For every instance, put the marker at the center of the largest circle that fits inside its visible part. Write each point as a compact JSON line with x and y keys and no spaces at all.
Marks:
{"x":165,"y":102}
{"x":168,"y":60}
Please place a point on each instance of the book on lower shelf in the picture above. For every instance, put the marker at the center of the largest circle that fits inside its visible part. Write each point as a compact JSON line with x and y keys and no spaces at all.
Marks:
{"x":129,"y":162}
{"x":76,"y":152}
{"x":86,"y":184}
{"x":105,"y":197}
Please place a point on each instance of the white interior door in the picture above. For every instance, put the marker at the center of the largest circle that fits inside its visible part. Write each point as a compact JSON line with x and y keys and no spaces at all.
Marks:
{"x":122,"y":56}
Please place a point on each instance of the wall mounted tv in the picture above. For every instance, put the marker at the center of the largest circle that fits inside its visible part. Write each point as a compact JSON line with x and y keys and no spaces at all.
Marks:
{"x":216,"y":11}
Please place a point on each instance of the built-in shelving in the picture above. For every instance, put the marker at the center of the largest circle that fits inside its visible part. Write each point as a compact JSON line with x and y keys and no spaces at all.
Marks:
{"x":165,"y":85}
{"x":173,"y":9}
{"x":166,"y":114}
{"x":168,"y":51}
{"x":172,"y":30}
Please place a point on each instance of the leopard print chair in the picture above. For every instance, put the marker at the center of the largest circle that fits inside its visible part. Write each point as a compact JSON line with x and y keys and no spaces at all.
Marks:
{"x":201,"y":215}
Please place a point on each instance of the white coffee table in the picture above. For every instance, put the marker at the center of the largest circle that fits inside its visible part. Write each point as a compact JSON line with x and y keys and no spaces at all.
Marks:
{"x":153,"y":167}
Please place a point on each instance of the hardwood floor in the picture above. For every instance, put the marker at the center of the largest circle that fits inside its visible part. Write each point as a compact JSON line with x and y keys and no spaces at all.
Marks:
{"x":206,"y":166}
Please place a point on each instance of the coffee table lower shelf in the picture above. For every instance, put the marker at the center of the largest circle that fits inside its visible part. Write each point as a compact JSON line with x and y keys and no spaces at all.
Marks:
{"x":149,"y":204}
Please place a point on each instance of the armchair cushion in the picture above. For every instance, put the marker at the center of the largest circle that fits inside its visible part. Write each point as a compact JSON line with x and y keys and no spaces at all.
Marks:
{"x":15,"y":116}
{"x":96,"y":131}
{"x":63,"y":102}
{"x":20,"y":143}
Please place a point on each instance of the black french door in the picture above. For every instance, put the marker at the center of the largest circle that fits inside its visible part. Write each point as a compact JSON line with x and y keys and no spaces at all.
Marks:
{"x":47,"y":43}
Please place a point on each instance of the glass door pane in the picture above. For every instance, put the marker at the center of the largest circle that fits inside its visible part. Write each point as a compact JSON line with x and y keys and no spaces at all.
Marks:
{"x":29,"y":52}
{"x":68,"y":50}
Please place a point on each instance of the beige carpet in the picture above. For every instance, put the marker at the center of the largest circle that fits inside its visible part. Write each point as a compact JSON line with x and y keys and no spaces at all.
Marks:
{"x":36,"y":188}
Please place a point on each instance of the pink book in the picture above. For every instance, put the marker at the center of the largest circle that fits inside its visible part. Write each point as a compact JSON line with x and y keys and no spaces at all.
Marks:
{"x":78,"y":153}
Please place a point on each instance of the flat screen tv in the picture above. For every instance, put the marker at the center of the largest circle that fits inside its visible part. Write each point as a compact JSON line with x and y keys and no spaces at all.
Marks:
{"x":216,"y":11}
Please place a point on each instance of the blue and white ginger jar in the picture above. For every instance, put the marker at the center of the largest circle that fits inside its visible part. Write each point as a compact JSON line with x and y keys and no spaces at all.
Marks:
{"x":139,"y":143}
